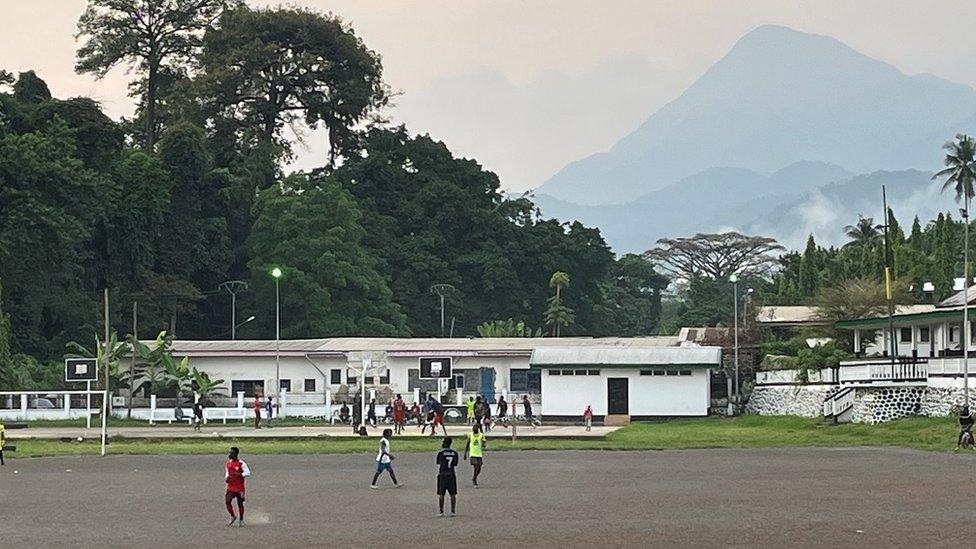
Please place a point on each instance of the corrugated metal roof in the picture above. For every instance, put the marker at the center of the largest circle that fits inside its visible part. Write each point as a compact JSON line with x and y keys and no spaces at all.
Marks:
{"x":407,"y":346}
{"x":958,"y":299}
{"x":634,"y":356}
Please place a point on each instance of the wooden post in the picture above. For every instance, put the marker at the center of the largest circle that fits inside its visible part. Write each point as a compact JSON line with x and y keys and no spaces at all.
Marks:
{"x":105,"y":396}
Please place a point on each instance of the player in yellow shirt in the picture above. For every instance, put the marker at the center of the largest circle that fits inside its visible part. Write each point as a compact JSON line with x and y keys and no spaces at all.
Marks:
{"x":470,"y":406}
{"x":476,"y":449}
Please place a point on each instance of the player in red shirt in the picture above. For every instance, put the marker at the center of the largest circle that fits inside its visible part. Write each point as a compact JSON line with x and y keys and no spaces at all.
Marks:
{"x":234,"y":474}
{"x":399,"y":414}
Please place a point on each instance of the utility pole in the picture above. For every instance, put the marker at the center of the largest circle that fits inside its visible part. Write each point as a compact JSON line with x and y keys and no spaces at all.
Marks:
{"x":233,"y":287}
{"x":132,"y":363}
{"x":441,"y":290}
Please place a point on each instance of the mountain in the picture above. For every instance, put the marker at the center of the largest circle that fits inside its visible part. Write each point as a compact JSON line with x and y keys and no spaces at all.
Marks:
{"x":778,"y":97}
{"x":711,"y":200}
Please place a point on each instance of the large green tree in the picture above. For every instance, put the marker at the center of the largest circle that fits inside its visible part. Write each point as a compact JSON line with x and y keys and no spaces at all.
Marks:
{"x":311,"y":228}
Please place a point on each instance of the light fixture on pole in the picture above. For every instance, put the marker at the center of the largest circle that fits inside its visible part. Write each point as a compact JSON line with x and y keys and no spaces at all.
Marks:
{"x":441,"y":290}
{"x":734,"y":279}
{"x":276,"y":274}
{"x":234,"y":287}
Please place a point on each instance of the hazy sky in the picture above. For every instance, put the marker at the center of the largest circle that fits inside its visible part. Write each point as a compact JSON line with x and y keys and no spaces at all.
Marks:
{"x":528,"y":86}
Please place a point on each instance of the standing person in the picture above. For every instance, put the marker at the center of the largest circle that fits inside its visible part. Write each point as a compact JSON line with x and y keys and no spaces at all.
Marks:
{"x":357,"y":414}
{"x":502,"y":408}
{"x":235,"y":471}
{"x":476,"y":448}
{"x":965,"y":426}
{"x":344,"y":413}
{"x":486,"y":421}
{"x":371,"y":412}
{"x":269,"y":408}
{"x":470,"y":405}
{"x":399,"y":414}
{"x":527,"y":406}
{"x":257,"y":411}
{"x":384,"y":460}
{"x":415,"y":414}
{"x":447,"y":460}
{"x":3,"y":440}
{"x":588,"y":417}
{"x":197,"y":414}
{"x":479,"y":410}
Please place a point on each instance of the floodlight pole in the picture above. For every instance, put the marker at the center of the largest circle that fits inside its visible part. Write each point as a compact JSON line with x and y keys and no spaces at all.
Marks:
{"x":107,"y":369}
{"x":735,"y":314}
{"x":277,"y":338}
{"x":233,"y":287}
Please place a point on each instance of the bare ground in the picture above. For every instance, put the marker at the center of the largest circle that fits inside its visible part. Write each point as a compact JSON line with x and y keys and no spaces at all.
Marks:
{"x":709,"y":498}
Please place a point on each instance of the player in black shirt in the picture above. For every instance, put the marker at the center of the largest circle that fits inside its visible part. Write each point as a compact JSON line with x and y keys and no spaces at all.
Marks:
{"x":447,"y":460}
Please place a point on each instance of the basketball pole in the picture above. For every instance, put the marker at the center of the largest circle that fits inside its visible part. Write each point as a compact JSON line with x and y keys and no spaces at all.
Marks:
{"x":88,"y":405}
{"x":107,"y":368}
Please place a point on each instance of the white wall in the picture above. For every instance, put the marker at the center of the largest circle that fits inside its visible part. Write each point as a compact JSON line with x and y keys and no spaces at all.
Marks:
{"x":648,"y":395}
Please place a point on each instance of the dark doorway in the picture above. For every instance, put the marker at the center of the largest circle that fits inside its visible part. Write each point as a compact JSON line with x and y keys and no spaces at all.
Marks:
{"x":617,"y":396}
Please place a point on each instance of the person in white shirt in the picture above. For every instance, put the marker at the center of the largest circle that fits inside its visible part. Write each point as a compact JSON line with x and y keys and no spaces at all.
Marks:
{"x":384,"y":460}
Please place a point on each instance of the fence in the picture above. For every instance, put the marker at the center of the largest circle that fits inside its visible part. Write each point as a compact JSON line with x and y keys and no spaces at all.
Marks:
{"x":49,"y":405}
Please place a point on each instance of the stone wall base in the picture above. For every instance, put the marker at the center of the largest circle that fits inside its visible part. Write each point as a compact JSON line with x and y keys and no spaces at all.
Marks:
{"x":871,"y":404}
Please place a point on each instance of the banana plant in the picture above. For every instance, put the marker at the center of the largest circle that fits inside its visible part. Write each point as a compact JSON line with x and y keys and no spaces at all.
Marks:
{"x":206,"y":387}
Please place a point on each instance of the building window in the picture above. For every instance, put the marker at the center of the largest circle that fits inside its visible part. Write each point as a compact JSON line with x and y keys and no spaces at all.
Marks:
{"x":247,"y":386}
{"x":672,"y":372}
{"x":458,"y":381}
{"x":567,"y":372}
{"x":309,"y":385}
{"x":684,"y":372}
{"x":385,"y":378}
{"x":647,"y":372}
{"x":351,"y":378}
{"x":581,"y":372}
{"x":554,"y":372}
{"x":906,"y":335}
{"x":284,"y":385}
{"x":659,"y":372}
{"x":525,"y":380}
{"x":335,"y":377}
{"x":924,"y":334}
{"x":593,"y":372}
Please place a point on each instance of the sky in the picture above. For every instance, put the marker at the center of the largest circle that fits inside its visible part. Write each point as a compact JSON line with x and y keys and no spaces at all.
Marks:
{"x":526,"y":87}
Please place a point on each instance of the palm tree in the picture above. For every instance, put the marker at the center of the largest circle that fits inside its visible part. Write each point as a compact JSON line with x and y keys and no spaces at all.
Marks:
{"x":558,"y":315}
{"x":864,"y":232}
{"x":959,"y":174}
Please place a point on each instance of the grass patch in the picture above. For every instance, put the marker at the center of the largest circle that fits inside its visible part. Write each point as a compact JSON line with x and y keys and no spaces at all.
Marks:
{"x":937,"y":434}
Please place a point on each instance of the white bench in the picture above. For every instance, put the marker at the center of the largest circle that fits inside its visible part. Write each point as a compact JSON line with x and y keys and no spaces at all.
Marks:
{"x":225,"y":414}
{"x":153,"y":417}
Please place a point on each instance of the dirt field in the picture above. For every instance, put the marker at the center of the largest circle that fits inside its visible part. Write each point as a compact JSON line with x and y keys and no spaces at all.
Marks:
{"x":782,"y":497}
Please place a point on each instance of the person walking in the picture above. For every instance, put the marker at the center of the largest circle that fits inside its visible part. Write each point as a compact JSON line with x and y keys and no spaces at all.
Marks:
{"x":357,"y":414}
{"x":198,"y":414}
{"x":476,"y":448}
{"x":502,"y":412}
{"x":371,"y":412}
{"x":527,"y":411}
{"x":384,"y":460}
{"x":257,"y":410}
{"x":588,"y":417}
{"x":235,"y":471}
{"x":269,"y":409}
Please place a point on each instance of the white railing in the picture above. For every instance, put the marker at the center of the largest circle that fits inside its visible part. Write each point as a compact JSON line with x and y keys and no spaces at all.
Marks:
{"x":49,"y":405}
{"x":780,"y":377}
{"x":884,"y":371}
{"x":838,"y":403}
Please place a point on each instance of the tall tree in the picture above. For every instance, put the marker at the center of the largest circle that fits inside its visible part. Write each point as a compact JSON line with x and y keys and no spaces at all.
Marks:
{"x":268,"y":69}
{"x":809,"y":269}
{"x":147,"y":35}
{"x":715,"y":255}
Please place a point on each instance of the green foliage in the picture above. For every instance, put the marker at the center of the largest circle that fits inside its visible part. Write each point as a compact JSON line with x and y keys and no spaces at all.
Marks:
{"x":331,"y":285}
{"x":507,"y":328}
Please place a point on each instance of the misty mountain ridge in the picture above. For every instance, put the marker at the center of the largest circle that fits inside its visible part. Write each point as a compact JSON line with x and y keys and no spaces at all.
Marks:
{"x":778,"y":97}
{"x":789,"y":204}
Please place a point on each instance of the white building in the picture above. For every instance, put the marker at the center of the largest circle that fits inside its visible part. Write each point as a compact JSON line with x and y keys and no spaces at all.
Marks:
{"x":644,"y":376}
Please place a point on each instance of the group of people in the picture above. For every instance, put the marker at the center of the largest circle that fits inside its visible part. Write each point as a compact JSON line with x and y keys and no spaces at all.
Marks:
{"x":447,"y":460}
{"x":269,"y":408}
{"x":429,"y":413}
